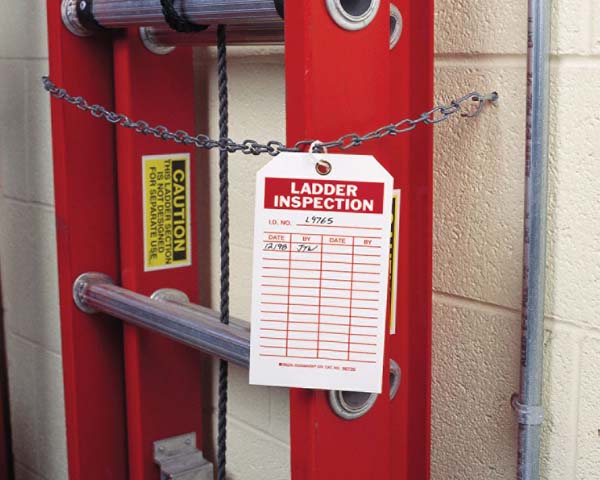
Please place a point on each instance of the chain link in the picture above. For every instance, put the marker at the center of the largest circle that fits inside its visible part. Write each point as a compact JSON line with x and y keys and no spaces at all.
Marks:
{"x":475,"y":103}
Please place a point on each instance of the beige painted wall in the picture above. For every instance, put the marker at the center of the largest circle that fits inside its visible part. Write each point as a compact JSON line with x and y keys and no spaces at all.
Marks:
{"x":478,"y":225}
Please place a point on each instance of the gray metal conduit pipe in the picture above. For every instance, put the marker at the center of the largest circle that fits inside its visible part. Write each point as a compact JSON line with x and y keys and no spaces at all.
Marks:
{"x":528,"y":403}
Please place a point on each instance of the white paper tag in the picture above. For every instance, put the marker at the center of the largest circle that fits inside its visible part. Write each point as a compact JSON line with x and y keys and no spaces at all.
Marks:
{"x":320,"y":281}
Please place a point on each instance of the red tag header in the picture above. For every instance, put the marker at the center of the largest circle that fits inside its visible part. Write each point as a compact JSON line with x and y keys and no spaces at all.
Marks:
{"x":323,"y":195}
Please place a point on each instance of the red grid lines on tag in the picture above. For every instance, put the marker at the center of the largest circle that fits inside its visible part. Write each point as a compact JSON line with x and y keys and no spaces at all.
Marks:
{"x":319,"y":296}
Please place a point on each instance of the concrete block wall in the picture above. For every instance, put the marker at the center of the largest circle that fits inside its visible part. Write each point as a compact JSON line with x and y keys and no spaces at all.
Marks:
{"x":477,"y":246}
{"x":478,"y":236}
{"x":28,"y":246}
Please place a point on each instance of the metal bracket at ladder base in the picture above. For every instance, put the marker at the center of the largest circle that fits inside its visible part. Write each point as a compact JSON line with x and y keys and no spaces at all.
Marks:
{"x":180,"y":459}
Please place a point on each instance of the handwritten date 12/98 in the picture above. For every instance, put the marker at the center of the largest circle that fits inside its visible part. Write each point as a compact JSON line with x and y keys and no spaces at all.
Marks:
{"x":319,"y":220}
{"x":277,"y":247}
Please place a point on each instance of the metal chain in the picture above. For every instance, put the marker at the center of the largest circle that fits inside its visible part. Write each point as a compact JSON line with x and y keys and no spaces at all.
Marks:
{"x":474,"y":101}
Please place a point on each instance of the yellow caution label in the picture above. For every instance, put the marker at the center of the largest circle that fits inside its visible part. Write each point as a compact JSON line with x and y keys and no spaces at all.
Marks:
{"x":393,"y":271}
{"x":167,"y":225}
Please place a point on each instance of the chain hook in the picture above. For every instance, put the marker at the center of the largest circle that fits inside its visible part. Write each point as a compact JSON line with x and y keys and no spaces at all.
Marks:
{"x":317,"y":147}
{"x":481,"y":101}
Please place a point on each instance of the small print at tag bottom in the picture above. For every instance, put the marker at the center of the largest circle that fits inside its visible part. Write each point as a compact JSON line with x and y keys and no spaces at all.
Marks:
{"x":320,"y":274}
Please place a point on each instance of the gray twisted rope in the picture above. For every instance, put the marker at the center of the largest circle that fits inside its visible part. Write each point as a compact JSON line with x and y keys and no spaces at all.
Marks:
{"x":178,"y":21}
{"x":224,"y":216}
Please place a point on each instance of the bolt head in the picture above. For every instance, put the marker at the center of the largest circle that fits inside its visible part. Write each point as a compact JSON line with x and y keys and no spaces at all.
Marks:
{"x":83,"y":5}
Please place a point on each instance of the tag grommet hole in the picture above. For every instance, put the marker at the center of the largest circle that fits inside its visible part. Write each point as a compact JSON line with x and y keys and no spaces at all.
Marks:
{"x":323,"y":167}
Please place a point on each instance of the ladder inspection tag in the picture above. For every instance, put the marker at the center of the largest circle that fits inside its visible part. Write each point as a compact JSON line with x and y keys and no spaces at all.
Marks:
{"x":167,"y":219}
{"x":320,"y":278}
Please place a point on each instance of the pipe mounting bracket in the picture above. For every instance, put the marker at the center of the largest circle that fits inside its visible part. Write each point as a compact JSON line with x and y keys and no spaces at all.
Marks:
{"x":527,"y":414}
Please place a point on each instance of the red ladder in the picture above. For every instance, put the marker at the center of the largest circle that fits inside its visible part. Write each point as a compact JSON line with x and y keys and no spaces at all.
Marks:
{"x":126,"y":388}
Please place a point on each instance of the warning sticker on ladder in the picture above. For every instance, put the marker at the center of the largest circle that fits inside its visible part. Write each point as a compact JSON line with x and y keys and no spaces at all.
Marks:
{"x":167,"y":227}
{"x":394,"y":241}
